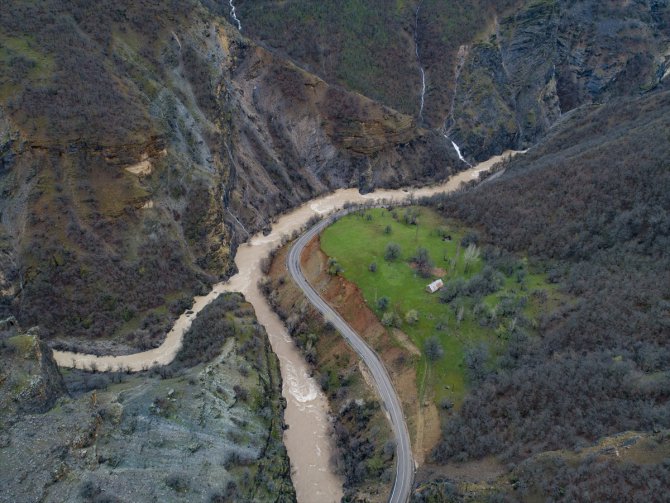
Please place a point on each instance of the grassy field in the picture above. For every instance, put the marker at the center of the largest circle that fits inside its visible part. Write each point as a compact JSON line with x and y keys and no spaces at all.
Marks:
{"x":487,"y":318}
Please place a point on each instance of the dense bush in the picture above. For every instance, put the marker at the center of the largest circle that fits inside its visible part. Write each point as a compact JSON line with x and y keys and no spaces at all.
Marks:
{"x":392,"y":251}
{"x":480,"y":285}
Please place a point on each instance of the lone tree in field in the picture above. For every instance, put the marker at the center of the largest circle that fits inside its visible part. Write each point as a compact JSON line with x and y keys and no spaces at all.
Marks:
{"x":392,"y":251}
{"x":383,"y":303}
{"x":424,"y":264}
{"x":433,"y":349}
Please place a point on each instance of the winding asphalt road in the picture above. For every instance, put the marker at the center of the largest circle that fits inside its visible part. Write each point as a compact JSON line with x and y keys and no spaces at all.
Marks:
{"x":402,"y":486}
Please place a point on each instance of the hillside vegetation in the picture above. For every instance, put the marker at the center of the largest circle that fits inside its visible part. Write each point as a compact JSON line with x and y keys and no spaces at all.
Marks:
{"x":591,"y":204}
{"x":206,"y":428}
{"x":498,"y":74}
{"x":371,"y":46}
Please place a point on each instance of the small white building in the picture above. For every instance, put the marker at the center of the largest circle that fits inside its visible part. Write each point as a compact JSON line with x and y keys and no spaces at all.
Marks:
{"x":435,"y":286}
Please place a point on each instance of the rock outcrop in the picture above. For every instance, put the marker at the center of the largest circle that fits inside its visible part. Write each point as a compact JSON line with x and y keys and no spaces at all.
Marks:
{"x":29,"y":378}
{"x":549,"y":58}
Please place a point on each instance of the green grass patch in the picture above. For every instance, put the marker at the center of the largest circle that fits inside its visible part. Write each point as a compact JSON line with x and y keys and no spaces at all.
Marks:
{"x":24,"y":344}
{"x":22,"y":62}
{"x":477,"y":317}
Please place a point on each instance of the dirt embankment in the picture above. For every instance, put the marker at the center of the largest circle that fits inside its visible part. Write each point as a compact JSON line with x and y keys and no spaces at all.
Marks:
{"x":393,"y":346}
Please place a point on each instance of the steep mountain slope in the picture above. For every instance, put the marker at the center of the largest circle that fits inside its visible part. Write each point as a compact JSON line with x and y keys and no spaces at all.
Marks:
{"x":377,"y":47}
{"x":141,"y":142}
{"x":497,"y":75}
{"x":590,"y":206}
{"x":206,"y":428}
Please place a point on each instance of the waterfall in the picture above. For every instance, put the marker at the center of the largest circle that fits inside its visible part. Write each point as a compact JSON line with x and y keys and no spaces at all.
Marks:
{"x":457,"y":149}
{"x":238,"y":222}
{"x":418,"y":60}
{"x":177,"y":39}
{"x":234,"y":16}
{"x":423,"y":93}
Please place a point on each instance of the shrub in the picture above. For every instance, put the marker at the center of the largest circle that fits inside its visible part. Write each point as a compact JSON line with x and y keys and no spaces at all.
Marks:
{"x":383,"y":303}
{"x":471,"y":238}
{"x":178,"y":482}
{"x":475,"y":359}
{"x":433,"y":348}
{"x":410,"y":216}
{"x":391,"y":319}
{"x":373,"y":267}
{"x":412,"y":316}
{"x":333,"y":267}
{"x":241,"y":393}
{"x":392,"y":252}
{"x":452,"y":289}
{"x":424,"y":264}
{"x":88,"y":489}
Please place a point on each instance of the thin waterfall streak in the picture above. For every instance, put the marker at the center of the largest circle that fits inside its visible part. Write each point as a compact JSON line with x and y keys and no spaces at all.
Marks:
{"x":418,"y":60}
{"x":234,"y":15}
{"x":457,"y":149}
{"x":423,"y":93}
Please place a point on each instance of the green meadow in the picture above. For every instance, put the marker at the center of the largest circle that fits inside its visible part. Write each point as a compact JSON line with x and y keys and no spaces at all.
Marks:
{"x":463,"y":328}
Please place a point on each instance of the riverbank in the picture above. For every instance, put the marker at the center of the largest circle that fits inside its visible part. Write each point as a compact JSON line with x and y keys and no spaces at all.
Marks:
{"x":307,"y":408}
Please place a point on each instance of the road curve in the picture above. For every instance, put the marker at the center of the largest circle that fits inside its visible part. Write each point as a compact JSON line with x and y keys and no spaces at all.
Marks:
{"x":402,"y":485}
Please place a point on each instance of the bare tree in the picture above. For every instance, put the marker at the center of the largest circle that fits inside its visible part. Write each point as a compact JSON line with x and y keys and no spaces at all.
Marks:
{"x":470,"y":256}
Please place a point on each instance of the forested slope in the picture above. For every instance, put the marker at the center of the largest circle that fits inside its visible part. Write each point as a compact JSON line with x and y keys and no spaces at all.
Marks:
{"x":591,"y":205}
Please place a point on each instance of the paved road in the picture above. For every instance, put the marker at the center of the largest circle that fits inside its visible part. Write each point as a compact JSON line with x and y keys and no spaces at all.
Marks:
{"x":402,"y":486}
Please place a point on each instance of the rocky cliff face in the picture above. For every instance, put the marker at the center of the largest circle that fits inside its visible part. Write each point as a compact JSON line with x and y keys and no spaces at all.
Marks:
{"x":549,"y":58}
{"x":141,"y":145}
{"x":29,"y":378}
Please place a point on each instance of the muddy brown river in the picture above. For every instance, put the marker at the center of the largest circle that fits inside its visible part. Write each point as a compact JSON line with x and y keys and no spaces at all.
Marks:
{"x":307,"y":438}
